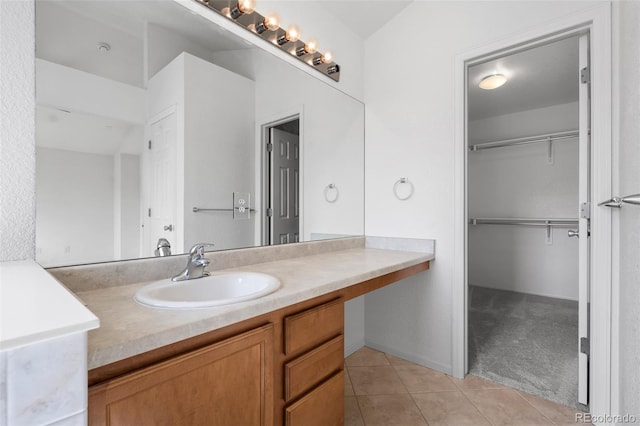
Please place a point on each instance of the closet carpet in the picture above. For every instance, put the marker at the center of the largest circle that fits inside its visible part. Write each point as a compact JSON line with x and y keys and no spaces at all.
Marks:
{"x":525,"y":342}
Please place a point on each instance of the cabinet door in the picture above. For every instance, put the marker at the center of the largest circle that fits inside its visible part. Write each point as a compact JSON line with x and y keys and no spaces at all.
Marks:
{"x":227,"y":383}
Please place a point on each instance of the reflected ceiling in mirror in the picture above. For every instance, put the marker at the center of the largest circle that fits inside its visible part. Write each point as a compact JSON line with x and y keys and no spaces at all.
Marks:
{"x":146,"y":110}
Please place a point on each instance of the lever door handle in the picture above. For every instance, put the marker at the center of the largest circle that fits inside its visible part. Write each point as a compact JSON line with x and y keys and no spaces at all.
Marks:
{"x":632,"y":199}
{"x":612,"y":202}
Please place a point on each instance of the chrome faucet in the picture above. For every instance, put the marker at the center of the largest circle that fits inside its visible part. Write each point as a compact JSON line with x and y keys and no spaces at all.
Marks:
{"x":195,"y":264}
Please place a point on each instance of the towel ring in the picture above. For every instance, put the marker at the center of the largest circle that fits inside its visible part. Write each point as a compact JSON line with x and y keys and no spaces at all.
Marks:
{"x":399,"y":182}
{"x":328,"y":188}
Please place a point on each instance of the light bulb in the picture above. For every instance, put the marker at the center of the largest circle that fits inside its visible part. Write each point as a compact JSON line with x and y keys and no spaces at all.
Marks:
{"x":324,"y":58}
{"x":293,"y":34}
{"x":311,"y":46}
{"x":246,"y":6}
{"x":493,"y":81}
{"x":272,"y":22}
{"x":243,"y":7}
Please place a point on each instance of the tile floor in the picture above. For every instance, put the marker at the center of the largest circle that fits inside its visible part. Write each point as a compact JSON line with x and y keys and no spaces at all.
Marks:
{"x":381,"y":389}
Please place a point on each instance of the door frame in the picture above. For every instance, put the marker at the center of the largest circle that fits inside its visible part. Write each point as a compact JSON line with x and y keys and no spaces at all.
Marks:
{"x":264,"y":126}
{"x":598,"y":22}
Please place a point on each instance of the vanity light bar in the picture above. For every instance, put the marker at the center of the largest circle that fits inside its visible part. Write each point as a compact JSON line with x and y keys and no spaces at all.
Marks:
{"x":242,"y":13}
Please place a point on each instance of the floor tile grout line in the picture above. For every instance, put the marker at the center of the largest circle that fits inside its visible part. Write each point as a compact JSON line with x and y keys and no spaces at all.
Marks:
{"x":457,"y":386}
{"x":407,"y":389}
{"x":534,"y":407}
{"x":476,"y":407}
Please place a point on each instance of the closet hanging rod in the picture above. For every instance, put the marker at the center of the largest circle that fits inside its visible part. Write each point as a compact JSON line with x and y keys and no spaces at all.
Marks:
{"x":550,"y":137}
{"x":559,"y":223}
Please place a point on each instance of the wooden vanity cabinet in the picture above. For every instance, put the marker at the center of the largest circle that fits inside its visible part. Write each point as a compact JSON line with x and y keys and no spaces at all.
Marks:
{"x":284,"y":367}
{"x":226,"y":383}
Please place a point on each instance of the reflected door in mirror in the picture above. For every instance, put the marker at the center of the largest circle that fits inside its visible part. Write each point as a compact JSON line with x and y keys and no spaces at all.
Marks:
{"x":285,"y":186}
{"x":161,"y":214}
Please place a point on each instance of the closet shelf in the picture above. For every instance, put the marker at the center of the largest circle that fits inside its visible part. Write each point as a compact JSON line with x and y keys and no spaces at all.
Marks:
{"x":544,"y":222}
{"x":550,"y":137}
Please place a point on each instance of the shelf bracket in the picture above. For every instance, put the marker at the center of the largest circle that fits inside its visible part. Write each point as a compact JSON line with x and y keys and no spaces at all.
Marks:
{"x":549,"y":150}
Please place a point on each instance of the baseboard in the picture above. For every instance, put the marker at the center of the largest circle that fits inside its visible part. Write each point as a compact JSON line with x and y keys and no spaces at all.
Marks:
{"x":353,"y":346}
{"x":533,"y":293}
{"x":418,"y":359}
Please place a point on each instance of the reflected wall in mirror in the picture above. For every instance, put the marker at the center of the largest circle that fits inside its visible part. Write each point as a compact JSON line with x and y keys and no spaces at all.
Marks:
{"x":146,"y":111}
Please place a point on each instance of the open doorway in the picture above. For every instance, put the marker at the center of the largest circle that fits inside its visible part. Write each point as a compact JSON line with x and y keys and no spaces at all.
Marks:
{"x":281,"y":187}
{"x":528,"y":242}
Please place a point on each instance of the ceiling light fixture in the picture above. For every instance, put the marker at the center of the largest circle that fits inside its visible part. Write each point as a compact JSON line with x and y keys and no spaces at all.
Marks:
{"x":492,"y":81}
{"x":244,"y":14}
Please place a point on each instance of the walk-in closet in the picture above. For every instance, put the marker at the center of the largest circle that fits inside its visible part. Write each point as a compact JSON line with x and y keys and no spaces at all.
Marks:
{"x":523,"y":197}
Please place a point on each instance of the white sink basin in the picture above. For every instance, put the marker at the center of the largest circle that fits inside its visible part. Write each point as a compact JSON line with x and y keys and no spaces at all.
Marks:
{"x":215,"y":290}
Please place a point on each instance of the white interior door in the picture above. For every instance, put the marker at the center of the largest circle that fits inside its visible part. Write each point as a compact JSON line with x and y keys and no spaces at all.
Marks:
{"x":584,"y":218}
{"x":161,"y":209}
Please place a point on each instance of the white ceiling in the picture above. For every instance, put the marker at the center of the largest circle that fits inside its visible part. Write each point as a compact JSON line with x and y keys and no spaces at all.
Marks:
{"x":540,"y":77}
{"x":68,"y":32}
{"x":364,"y":17}
{"x":81,"y":132}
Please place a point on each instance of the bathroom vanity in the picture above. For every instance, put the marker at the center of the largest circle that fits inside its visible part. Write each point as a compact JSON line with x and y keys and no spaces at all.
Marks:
{"x":270,"y":361}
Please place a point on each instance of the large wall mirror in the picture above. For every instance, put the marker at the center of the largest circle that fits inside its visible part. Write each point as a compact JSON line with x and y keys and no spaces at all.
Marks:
{"x":157,"y":129}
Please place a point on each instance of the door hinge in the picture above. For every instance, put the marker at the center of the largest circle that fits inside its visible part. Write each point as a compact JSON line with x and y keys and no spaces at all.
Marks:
{"x":269,"y":212}
{"x":149,"y":144}
{"x":149,"y":213}
{"x":585,"y":346}
{"x":585,"y":210}
{"x":585,"y":75}
{"x":269,"y":147}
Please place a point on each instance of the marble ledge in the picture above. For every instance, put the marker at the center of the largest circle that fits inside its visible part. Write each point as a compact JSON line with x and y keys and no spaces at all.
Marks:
{"x":128,"y":329}
{"x":34,"y":307}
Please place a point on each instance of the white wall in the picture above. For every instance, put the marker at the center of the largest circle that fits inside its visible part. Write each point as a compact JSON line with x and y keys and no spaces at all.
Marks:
{"x":129,"y":197}
{"x":17,"y":140}
{"x":410,"y":129}
{"x":215,"y":146}
{"x":518,"y":182}
{"x":74,"y":188}
{"x":332,"y":144}
{"x":219,"y":154}
{"x":627,"y":64}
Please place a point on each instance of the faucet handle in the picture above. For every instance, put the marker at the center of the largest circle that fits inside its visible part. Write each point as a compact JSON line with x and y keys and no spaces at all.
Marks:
{"x":198,"y":249}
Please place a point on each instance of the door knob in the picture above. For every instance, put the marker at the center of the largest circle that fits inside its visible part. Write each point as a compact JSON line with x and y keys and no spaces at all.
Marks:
{"x":573,"y":233}
{"x":168,"y":228}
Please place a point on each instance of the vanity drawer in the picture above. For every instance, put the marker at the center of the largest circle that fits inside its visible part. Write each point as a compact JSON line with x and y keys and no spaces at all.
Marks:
{"x":306,"y":371}
{"x":312,"y":327}
{"x":322,"y":407}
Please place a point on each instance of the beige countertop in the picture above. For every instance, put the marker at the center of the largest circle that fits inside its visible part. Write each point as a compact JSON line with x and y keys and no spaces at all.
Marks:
{"x":128,"y":328}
